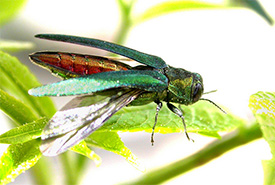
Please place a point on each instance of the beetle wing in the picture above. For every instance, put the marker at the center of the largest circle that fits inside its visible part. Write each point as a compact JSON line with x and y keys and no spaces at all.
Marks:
{"x":148,"y":80}
{"x":77,"y":120}
{"x":143,"y":58}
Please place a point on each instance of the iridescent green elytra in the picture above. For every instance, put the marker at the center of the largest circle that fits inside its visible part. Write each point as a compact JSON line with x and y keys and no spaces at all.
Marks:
{"x":121,"y":85}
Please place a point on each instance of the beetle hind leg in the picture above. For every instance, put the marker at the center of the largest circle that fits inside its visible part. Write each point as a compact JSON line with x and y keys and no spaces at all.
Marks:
{"x":159,"y":106}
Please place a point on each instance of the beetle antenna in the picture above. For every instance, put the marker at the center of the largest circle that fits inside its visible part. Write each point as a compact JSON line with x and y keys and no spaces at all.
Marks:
{"x":210,"y":91}
{"x":214,"y":104}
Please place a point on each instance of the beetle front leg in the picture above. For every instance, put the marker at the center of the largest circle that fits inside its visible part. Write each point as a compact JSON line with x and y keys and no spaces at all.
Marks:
{"x":179,"y":113}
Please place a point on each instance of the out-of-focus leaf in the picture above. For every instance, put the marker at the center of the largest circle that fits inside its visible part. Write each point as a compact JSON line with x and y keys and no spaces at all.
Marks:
{"x":15,"y":109}
{"x":262,"y":105}
{"x":82,"y":149}
{"x":17,"y":80}
{"x":253,"y":5}
{"x":24,"y":133}
{"x":13,"y":46}
{"x":183,"y":5}
{"x":17,"y":159}
{"x":112,"y":142}
{"x":257,"y":7}
{"x":9,"y":8}
{"x":269,"y":171}
{"x":173,"y":6}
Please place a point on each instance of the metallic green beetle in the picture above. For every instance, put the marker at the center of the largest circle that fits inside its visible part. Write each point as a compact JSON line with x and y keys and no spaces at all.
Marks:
{"x":118,"y":83}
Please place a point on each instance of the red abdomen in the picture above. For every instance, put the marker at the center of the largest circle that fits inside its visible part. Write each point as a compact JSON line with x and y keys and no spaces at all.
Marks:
{"x":77,"y":63}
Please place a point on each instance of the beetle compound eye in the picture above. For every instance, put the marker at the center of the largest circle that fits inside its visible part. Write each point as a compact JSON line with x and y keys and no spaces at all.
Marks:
{"x":197,"y":92}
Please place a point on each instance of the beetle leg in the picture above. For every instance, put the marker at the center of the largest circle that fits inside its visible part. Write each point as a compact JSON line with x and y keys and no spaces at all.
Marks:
{"x":179,"y":113}
{"x":159,"y":106}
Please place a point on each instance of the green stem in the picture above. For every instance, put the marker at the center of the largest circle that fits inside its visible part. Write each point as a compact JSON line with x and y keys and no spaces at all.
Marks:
{"x":235,"y":139}
{"x":70,"y":176}
{"x":126,"y":22}
{"x":123,"y":32}
{"x":42,"y":173}
{"x":81,"y":162}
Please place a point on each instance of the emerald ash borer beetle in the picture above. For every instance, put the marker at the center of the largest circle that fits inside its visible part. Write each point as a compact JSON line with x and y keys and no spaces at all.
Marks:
{"x":118,"y":83}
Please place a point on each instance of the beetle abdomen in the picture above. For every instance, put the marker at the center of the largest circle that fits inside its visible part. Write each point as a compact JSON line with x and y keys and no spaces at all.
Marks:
{"x":76,"y":64}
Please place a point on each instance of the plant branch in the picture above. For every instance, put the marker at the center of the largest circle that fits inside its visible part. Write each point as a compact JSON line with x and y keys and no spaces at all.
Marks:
{"x":126,"y":22}
{"x":241,"y":136}
{"x":42,"y":173}
{"x":68,"y":171}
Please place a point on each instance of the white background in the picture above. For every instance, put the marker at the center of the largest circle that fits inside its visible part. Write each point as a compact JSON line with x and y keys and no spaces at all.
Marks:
{"x":232,"y":49}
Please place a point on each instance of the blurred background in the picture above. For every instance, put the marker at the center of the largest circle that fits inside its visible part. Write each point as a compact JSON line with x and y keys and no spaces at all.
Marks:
{"x":233,"y":49}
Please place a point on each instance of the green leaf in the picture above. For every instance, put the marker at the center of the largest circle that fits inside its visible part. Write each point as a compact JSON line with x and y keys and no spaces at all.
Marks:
{"x":173,"y":6}
{"x":13,"y":46}
{"x":183,"y":5}
{"x":17,"y":159}
{"x":202,"y":117}
{"x":269,"y":171}
{"x":82,"y":149}
{"x":16,"y":109}
{"x":262,"y":105}
{"x":111,"y":141}
{"x":17,"y":80}
{"x":9,"y":8}
{"x":24,"y":133}
{"x":253,"y":5}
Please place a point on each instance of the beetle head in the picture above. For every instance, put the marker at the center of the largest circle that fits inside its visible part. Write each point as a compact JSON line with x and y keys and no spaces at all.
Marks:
{"x":184,"y":87}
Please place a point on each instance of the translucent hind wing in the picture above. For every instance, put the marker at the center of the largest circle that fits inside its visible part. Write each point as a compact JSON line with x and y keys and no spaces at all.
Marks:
{"x":70,"y":125}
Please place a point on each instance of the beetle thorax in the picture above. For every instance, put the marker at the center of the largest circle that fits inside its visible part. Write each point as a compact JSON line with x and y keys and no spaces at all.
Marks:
{"x":183,"y":86}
